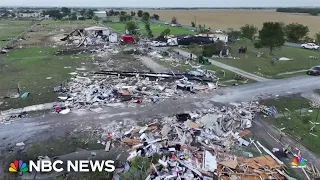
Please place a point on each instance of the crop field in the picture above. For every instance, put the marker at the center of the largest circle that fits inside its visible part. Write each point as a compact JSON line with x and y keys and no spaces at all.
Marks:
{"x":155,"y":28}
{"x":223,"y":19}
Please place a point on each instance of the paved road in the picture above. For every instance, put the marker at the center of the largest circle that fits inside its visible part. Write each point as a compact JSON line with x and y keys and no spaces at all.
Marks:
{"x":227,"y":67}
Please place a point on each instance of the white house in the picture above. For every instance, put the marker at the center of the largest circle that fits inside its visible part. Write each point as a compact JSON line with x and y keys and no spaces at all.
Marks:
{"x":100,"y":14}
{"x":216,"y":36}
{"x":29,"y":15}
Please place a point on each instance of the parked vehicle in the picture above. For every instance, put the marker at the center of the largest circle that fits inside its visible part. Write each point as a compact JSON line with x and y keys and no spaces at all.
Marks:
{"x":127,"y":39}
{"x":310,"y":46}
{"x":315,"y":71}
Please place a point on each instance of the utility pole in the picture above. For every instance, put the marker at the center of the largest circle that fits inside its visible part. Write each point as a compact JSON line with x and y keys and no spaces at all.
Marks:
{"x":195,"y":22}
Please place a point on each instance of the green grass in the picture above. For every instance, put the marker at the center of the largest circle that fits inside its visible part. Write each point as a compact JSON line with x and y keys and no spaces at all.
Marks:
{"x":155,"y":28}
{"x":29,"y":67}
{"x":263,"y":65}
{"x":11,"y":28}
{"x":292,"y":103}
{"x":296,"y":122}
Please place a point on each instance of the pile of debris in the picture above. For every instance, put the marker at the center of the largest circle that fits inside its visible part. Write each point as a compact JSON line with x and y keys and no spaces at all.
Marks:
{"x":104,"y":90}
{"x":199,"y":145}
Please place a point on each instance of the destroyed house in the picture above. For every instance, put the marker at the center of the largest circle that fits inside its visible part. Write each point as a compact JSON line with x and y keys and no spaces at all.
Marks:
{"x":187,"y":40}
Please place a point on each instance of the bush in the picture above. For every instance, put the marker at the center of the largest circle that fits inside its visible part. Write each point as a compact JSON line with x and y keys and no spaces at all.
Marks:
{"x":257,"y":44}
{"x":82,"y":18}
{"x":107,"y":21}
{"x":305,"y":119}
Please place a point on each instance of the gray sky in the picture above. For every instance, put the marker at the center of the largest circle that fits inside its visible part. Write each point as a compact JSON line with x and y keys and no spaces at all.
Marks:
{"x":162,"y":3}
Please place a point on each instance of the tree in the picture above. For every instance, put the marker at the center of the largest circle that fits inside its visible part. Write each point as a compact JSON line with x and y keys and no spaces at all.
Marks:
{"x":140,"y":13}
{"x":155,"y":17}
{"x":131,"y":27}
{"x":73,"y":16}
{"x":294,"y":31}
{"x":66,"y":11}
{"x":234,"y":34}
{"x":125,"y":18}
{"x":90,"y":13}
{"x":193,"y":24}
{"x":122,"y":13}
{"x":133,"y":13}
{"x":317,"y":37}
{"x":148,"y":29}
{"x":96,"y":18}
{"x":145,"y":16}
{"x":248,"y":31}
{"x":110,"y":13}
{"x":271,"y":35}
{"x":165,"y":32}
{"x":174,"y":20}
{"x":314,"y":13}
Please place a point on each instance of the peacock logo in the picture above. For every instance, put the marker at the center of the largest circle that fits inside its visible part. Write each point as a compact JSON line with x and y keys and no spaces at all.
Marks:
{"x":298,"y":162}
{"x":18,"y":166}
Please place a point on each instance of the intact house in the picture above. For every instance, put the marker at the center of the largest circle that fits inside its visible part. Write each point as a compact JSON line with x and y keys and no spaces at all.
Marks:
{"x":100,"y":14}
{"x":216,"y":36}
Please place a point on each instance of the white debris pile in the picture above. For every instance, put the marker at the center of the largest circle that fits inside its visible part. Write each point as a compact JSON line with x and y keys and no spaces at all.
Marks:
{"x":195,"y":145}
{"x":103,"y":90}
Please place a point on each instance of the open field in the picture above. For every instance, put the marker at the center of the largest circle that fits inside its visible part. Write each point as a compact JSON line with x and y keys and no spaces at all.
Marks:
{"x":155,"y":28}
{"x":11,"y":28}
{"x":30,"y":67}
{"x":223,"y":19}
{"x":263,"y":66}
{"x":297,"y":123}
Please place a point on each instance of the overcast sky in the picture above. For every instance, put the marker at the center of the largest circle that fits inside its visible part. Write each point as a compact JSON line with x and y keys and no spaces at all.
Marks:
{"x":162,"y":3}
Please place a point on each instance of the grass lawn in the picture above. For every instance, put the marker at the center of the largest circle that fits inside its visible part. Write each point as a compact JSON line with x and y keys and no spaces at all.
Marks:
{"x":297,"y":125}
{"x":263,"y":65}
{"x":155,"y":28}
{"x":30,"y":67}
{"x":11,"y":28}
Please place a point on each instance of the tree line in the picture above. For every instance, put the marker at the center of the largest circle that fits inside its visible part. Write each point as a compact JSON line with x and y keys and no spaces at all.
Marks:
{"x":64,"y":12}
{"x":274,"y":34}
{"x":311,"y":11}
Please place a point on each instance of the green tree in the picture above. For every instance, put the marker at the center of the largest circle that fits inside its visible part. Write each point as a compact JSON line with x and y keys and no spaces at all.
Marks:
{"x":131,"y":27}
{"x":174,"y":20}
{"x":65,"y":11}
{"x":165,"y":32}
{"x":234,"y":34}
{"x":155,"y":17}
{"x":73,"y":16}
{"x":314,"y":13}
{"x":148,"y":29}
{"x":145,"y":16}
{"x":294,"y":31}
{"x":110,"y":12}
{"x":193,"y":24}
{"x":271,"y":35}
{"x":140,"y":13}
{"x":122,"y":13}
{"x":96,"y":18}
{"x":90,"y":13}
{"x":317,"y":37}
{"x":133,"y":13}
{"x":248,"y":31}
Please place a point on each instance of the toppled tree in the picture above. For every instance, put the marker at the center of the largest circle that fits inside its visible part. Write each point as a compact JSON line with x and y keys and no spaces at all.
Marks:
{"x":174,"y":20}
{"x":131,"y":27}
{"x":193,"y":24}
{"x":271,"y":35}
{"x":140,"y":13}
{"x":294,"y":32}
{"x":248,"y":31}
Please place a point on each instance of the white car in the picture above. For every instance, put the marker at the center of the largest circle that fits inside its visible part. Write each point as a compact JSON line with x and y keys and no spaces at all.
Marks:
{"x":310,"y":46}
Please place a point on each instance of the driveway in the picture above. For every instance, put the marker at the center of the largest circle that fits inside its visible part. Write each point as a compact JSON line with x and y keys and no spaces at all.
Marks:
{"x":227,"y":67}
